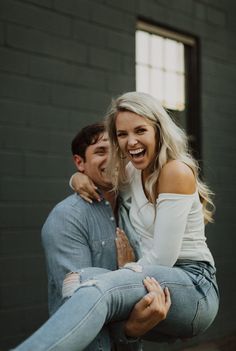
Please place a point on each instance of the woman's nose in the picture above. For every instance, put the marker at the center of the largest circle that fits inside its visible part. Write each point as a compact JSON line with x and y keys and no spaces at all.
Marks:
{"x":132,"y":140}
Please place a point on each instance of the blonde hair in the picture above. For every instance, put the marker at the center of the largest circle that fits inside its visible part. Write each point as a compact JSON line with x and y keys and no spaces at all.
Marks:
{"x":173,"y":145}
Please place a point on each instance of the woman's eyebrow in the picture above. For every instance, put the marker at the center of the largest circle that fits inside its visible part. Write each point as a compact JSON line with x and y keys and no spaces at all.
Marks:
{"x":137,"y":127}
{"x":141,"y":126}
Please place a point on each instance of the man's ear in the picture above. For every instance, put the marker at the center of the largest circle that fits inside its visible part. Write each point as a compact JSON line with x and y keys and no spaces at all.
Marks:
{"x":79,"y":163}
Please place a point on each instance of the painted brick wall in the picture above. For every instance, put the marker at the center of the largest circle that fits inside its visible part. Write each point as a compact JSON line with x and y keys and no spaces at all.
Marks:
{"x":60,"y":63}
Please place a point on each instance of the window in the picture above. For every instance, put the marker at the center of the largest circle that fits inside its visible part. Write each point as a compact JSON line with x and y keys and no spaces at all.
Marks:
{"x":160,"y":69}
{"x":166,"y":67}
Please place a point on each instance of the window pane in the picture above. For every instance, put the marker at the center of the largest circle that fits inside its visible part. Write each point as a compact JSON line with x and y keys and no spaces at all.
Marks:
{"x":156,"y":51}
{"x":142,"y":79}
{"x":174,"y":91}
{"x":142,"y":47}
{"x":181,"y":89}
{"x":156,"y":86}
{"x":171,"y":93}
{"x":180,"y":58}
{"x":171,"y":55}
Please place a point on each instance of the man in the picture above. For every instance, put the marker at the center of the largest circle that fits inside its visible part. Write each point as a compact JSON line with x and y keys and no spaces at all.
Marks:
{"x":79,"y":234}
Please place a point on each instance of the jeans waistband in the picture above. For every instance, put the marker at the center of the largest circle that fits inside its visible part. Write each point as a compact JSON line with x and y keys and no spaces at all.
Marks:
{"x":202,"y":264}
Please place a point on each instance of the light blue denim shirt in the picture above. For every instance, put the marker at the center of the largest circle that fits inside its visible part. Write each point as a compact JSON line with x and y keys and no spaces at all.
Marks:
{"x":76,"y":235}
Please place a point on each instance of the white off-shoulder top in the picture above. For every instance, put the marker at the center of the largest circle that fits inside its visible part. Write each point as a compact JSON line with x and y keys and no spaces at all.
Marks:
{"x":173,"y":230}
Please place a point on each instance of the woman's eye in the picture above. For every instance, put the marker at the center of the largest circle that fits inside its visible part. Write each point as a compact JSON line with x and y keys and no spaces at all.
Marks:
{"x":140,"y":131}
{"x":119,"y":135}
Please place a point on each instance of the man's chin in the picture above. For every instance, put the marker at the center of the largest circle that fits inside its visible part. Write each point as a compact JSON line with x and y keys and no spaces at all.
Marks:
{"x":106,"y":186}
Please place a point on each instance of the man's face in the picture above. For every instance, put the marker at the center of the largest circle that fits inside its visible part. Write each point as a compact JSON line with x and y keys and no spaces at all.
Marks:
{"x":96,"y":157}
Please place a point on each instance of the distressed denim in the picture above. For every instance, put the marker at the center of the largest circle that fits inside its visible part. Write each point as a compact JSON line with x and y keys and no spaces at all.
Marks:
{"x":110,"y":297}
{"x":76,"y":235}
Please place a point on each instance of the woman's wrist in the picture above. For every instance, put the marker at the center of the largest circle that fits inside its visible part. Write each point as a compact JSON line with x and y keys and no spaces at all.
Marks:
{"x":71,"y":181}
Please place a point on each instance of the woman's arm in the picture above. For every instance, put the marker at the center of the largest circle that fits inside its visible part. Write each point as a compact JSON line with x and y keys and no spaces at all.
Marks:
{"x":177,"y":178}
{"x":176,"y":190}
{"x":84,"y":186}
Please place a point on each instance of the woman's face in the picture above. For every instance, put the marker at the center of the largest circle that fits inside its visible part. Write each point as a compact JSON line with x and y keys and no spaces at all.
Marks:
{"x":136,"y":138}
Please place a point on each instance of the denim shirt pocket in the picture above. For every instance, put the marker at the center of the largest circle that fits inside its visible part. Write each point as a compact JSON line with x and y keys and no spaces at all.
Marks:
{"x":104,"y":253}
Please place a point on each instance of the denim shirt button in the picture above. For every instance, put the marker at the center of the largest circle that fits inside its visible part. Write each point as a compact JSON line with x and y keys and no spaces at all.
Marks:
{"x":107,"y":202}
{"x":103,"y":243}
{"x":112,"y":218}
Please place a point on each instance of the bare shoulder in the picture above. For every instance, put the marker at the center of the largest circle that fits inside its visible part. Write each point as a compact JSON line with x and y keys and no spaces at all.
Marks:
{"x":176,"y":177}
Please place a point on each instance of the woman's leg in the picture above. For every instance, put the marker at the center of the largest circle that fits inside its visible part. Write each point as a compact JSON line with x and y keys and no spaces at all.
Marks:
{"x":111,"y":296}
{"x":76,"y":323}
{"x":194,"y":296}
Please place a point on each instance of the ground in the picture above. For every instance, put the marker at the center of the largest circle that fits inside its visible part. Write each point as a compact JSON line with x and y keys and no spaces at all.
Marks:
{"x":225,"y":344}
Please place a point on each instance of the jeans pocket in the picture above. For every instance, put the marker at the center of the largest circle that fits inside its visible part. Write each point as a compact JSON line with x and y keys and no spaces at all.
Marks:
{"x":198,"y":318}
{"x":206,"y":312}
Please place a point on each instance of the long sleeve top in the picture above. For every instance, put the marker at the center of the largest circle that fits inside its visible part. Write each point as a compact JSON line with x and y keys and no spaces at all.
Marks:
{"x":171,"y":229}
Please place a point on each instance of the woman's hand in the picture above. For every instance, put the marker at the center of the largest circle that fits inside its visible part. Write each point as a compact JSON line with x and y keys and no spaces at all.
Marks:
{"x":125,"y":253}
{"x":149,"y":311}
{"x":85,"y":187}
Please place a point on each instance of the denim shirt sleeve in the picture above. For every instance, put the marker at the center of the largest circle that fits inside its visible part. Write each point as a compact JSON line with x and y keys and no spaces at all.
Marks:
{"x":118,"y":335}
{"x":65,"y":242}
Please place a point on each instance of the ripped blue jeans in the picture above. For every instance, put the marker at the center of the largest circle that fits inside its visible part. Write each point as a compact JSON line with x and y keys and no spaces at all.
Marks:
{"x":110,"y":296}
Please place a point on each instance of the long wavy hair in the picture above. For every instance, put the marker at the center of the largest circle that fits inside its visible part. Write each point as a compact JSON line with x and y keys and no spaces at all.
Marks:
{"x":172,"y":144}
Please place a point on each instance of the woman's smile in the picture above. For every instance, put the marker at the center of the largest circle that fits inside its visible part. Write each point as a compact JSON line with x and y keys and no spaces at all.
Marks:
{"x":137,"y":153}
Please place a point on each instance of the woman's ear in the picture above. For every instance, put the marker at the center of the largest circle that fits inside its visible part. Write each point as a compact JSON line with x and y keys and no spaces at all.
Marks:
{"x":79,"y":163}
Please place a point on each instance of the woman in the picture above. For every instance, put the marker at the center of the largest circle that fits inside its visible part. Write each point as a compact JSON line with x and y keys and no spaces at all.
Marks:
{"x":168,"y":207}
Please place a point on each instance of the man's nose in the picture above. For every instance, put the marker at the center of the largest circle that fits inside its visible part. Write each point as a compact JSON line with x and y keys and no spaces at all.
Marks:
{"x":105,"y":159}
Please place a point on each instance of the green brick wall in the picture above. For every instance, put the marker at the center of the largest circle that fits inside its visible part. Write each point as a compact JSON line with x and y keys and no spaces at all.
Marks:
{"x":60,"y":64}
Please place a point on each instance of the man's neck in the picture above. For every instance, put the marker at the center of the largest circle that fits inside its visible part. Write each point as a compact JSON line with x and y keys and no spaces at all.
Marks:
{"x":111,"y":197}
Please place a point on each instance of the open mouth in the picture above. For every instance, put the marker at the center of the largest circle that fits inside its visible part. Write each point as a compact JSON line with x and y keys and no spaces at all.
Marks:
{"x":138,"y":153}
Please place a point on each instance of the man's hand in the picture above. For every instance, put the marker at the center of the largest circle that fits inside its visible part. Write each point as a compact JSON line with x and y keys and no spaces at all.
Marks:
{"x":125,"y":252}
{"x":149,"y":311}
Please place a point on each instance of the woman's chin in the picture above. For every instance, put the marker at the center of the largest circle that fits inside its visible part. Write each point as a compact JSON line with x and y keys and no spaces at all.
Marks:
{"x":139,"y":164}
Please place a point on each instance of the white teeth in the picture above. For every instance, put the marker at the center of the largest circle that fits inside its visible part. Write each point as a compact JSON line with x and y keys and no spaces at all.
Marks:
{"x":134,"y":152}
